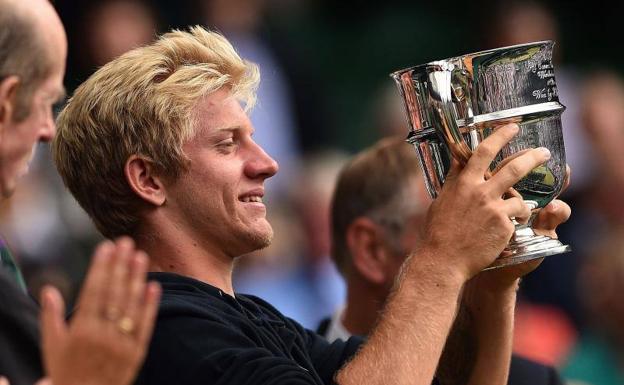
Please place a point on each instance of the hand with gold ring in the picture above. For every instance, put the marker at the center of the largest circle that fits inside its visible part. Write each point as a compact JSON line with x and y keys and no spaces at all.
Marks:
{"x":107,"y":338}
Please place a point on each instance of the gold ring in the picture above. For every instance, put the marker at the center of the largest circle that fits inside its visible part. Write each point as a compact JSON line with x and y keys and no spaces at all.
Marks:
{"x":126,"y":325}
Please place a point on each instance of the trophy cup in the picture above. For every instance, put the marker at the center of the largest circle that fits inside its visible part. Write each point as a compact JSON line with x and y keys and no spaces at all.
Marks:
{"x":453,"y":104}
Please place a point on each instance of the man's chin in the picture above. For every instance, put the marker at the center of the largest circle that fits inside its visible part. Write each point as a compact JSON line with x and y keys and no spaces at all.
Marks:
{"x":263,"y":240}
{"x":257,"y":240}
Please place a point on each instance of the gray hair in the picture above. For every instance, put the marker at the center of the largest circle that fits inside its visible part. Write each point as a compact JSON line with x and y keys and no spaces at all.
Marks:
{"x":21,"y":54}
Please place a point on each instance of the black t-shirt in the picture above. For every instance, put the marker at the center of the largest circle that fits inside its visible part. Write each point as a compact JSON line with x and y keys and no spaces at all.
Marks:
{"x":204,"y":336}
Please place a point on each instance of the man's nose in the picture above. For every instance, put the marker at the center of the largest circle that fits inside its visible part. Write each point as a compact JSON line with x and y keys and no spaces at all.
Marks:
{"x":48,"y":130}
{"x":261,"y":165}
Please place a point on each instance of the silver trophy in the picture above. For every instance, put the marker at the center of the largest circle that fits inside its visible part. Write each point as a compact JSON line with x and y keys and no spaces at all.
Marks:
{"x":453,"y":104}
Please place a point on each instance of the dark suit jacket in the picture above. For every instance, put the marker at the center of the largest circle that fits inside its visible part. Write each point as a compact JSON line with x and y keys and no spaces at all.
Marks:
{"x":20,"y":358}
{"x":521,"y":372}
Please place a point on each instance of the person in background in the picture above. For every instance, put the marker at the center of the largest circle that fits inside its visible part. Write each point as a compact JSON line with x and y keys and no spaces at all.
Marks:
{"x":107,"y":338}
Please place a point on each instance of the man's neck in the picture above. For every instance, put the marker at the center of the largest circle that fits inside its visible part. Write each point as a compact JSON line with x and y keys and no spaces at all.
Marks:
{"x":174,"y":251}
{"x":363,"y":306}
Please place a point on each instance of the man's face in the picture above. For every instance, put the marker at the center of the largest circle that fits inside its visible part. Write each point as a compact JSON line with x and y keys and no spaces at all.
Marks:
{"x":219,"y":197}
{"x":17,"y":139}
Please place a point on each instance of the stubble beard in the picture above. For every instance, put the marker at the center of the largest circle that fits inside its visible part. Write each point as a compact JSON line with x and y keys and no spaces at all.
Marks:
{"x":260,"y":240}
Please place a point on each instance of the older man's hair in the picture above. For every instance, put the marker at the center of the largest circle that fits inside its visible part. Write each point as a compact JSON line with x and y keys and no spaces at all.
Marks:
{"x":375,"y":184}
{"x":22,"y":54}
{"x":142,"y":103}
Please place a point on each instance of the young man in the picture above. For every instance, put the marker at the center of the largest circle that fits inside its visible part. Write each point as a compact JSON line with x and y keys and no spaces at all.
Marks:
{"x":156,"y":145}
{"x":378,"y":214}
{"x":98,"y":347}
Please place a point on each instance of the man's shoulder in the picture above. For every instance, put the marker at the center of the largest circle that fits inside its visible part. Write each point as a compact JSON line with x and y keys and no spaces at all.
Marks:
{"x":524,"y":371}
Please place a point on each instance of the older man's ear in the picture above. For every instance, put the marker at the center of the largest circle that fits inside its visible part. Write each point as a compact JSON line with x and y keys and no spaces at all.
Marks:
{"x":8,"y":89}
{"x":365,"y":240}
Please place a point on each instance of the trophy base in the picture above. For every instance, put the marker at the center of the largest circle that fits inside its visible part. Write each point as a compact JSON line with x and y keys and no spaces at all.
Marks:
{"x":528,"y":248}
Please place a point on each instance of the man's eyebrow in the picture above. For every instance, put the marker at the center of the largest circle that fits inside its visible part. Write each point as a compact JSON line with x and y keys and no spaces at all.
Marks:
{"x":229,"y":129}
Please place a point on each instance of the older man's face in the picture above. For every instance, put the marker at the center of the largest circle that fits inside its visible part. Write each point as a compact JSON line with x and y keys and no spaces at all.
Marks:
{"x":17,"y":139}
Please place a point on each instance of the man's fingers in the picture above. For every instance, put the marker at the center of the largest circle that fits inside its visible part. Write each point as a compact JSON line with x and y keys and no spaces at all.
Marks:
{"x":516,"y":169}
{"x":136,"y":287}
{"x":485,"y":153}
{"x":120,"y":269}
{"x":53,"y":326}
{"x":90,"y":299}
{"x":516,"y":208}
{"x":551,"y":216}
{"x":150,"y":309}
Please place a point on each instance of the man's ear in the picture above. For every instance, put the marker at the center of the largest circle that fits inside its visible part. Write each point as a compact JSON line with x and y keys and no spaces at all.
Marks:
{"x":367,"y":248}
{"x":8,"y":90}
{"x":144,"y":181}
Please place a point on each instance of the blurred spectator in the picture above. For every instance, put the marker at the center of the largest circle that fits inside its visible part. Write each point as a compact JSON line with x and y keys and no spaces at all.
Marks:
{"x":543,"y":333}
{"x":597,"y":358}
{"x":101,"y":30}
{"x":603,"y":115}
{"x":390,"y":112}
{"x":114,"y":27}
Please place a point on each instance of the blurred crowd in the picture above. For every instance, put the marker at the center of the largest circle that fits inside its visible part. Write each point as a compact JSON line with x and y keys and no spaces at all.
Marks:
{"x":325,"y":94}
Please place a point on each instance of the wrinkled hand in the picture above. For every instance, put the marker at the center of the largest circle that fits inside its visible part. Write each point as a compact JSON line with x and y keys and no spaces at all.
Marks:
{"x":468,"y":224}
{"x":106,"y":340}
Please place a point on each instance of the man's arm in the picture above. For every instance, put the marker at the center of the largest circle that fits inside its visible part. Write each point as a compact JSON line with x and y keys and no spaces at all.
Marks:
{"x":467,"y":228}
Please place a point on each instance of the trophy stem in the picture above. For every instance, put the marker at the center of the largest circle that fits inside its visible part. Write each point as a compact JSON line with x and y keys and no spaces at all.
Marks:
{"x":526,"y":245}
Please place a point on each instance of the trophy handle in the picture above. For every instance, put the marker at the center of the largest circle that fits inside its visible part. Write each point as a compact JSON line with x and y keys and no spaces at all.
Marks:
{"x":442,"y":91}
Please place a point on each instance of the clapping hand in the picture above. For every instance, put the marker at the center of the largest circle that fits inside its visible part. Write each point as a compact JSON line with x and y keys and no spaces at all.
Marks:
{"x":107,"y":338}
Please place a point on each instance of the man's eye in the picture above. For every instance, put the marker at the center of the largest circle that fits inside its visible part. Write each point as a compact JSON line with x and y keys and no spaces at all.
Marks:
{"x":227,"y":145}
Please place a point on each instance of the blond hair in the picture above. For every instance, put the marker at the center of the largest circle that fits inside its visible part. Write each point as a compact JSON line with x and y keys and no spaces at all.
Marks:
{"x":142,"y":103}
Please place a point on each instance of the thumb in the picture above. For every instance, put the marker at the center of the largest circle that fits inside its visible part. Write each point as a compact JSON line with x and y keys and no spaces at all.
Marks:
{"x":4,"y":381}
{"x":53,"y":326}
{"x":551,"y":216}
